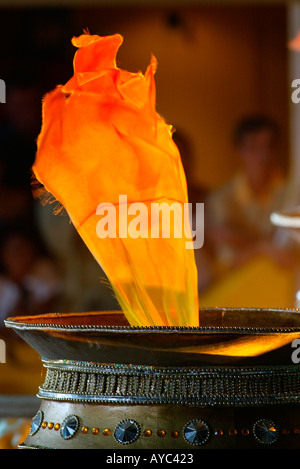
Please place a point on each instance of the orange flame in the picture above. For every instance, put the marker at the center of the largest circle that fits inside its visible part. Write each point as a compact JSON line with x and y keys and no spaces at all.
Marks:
{"x":101,"y":137}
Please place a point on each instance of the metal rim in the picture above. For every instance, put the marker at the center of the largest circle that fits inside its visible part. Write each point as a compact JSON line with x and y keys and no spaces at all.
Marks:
{"x":12,"y":323}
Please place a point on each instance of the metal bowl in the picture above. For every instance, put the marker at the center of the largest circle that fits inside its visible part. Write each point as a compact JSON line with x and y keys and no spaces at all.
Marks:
{"x":288,"y":218}
{"x":232,"y":382}
{"x":224,"y":336}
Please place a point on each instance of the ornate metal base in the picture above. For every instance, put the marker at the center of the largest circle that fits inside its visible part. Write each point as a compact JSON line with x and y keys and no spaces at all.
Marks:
{"x":65,"y":425}
{"x":93,"y":405}
{"x":118,"y":387}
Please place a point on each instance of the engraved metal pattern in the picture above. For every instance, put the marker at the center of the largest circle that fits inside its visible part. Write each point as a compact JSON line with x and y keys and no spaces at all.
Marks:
{"x":157,"y":329}
{"x":265,"y":431}
{"x":127,"y":431}
{"x":208,"y":386}
{"x":36,"y":423}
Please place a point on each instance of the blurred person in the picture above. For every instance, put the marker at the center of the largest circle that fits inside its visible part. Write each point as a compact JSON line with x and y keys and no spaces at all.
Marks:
{"x":85,"y":285}
{"x":15,"y":201}
{"x":238,"y":213}
{"x":19,"y":127}
{"x":29,"y":280}
{"x":196,"y":194}
{"x":183,"y":143}
{"x":19,"y":130}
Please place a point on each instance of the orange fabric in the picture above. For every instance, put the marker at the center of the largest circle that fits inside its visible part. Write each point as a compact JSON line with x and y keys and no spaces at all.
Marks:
{"x":102,"y":137}
{"x":294,"y":44}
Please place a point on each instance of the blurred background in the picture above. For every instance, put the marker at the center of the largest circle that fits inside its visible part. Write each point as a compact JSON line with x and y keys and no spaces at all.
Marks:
{"x":224,"y":82}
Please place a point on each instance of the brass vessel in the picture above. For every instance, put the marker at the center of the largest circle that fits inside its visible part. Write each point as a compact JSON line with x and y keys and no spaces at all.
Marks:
{"x":232,"y":382}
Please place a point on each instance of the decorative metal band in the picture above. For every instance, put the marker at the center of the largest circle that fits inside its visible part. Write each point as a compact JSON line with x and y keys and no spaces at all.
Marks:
{"x":202,"y":386}
{"x":249,"y":330}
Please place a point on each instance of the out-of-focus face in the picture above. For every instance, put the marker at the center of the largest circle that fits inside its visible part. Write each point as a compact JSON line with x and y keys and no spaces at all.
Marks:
{"x":258,"y":152}
{"x":18,"y":256}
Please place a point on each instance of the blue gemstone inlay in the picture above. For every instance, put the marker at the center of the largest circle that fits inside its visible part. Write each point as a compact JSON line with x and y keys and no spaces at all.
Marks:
{"x":127,"y":431}
{"x":196,"y":432}
{"x":69,"y":427}
{"x":265,"y":431}
{"x":36,"y":423}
